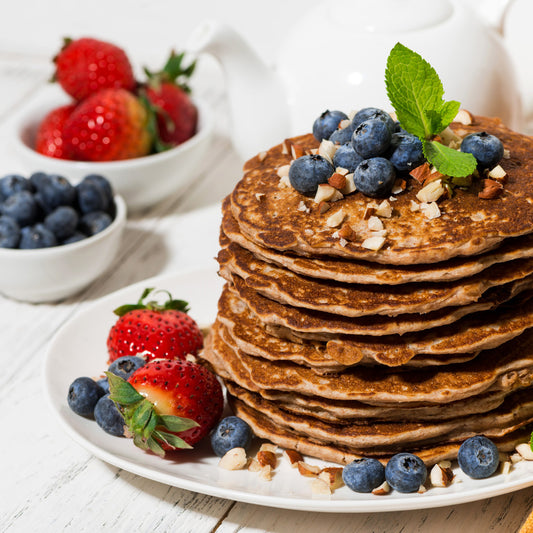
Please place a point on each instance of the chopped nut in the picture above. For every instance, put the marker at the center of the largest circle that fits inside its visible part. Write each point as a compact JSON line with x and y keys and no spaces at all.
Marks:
{"x":265,"y":457}
{"x":341,"y":170}
{"x":343,"y":242}
{"x":268,"y":447}
{"x":349,"y":187}
{"x":382,"y":490}
{"x":505,"y":467}
{"x":369,"y":211}
{"x":309,"y":232}
{"x":524,"y":449}
{"x":234,"y":459}
{"x":347,"y":232}
{"x":320,"y":487}
{"x":261,"y":156}
{"x":415,"y":206}
{"x":337,"y":195}
{"x":324,"y":193}
{"x":399,"y":186}
{"x":303,"y":207}
{"x":431,"y":210}
{"x":327,"y":150}
{"x":491,"y":189}
{"x":293,"y":456}
{"x":332,"y":476}
{"x":337,"y":180}
{"x":266,"y":472}
{"x":464,"y":117}
{"x":422,"y":489}
{"x":441,"y":476}
{"x":323,"y":207}
{"x":374,"y":224}
{"x":191,"y":358}
{"x":336,"y":219}
{"x":421,"y":173}
{"x":497,"y":173}
{"x":384,"y":209}
{"x":431,"y":192}
{"x":259,"y":196}
{"x":373,"y":243}
{"x":296,"y":151}
{"x":254,"y":466}
{"x":516,"y":458}
{"x":283,"y":171}
{"x":285,"y":146}
{"x":308,"y":470}
{"x":284,"y":182}
{"x":506,"y":153}
{"x":344,"y":123}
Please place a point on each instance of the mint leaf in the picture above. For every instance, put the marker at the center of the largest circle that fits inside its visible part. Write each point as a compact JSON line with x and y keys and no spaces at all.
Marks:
{"x":448,"y":161}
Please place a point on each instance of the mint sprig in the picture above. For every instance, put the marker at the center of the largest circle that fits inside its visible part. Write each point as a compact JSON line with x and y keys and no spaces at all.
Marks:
{"x":417,"y":95}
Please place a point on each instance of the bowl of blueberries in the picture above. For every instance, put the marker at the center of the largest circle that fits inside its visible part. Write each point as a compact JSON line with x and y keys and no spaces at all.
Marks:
{"x":56,"y":237}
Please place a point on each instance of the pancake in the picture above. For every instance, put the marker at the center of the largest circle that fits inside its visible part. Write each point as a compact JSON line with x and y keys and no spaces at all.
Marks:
{"x":490,"y":371}
{"x":350,"y":271}
{"x":468,"y":226}
{"x":303,"y":320}
{"x":351,"y":300}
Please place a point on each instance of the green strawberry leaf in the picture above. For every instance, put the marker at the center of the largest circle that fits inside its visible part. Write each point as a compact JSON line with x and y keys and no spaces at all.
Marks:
{"x":177,"y":423}
{"x":121,"y":391}
{"x":448,"y":161}
{"x":170,"y":303}
{"x":173,"y":440}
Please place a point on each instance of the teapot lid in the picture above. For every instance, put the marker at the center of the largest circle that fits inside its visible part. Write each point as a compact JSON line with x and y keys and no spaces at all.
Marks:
{"x":389,"y":15}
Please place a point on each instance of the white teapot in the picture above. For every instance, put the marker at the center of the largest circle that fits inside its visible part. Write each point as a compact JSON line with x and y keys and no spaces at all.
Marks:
{"x":335,"y":58}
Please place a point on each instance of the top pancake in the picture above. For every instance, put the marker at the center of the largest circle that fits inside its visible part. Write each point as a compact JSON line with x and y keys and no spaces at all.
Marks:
{"x":272,"y":216}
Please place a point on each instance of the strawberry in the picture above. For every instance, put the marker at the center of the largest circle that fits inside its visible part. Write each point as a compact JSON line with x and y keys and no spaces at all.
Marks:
{"x":49,"y":139}
{"x":108,"y":125}
{"x":168,"y":94}
{"x":168,"y":404}
{"x":84,"y":66}
{"x":164,"y":330}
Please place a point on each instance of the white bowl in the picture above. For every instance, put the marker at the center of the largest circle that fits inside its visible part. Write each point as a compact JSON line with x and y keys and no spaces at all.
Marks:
{"x":142,"y":181}
{"x":51,"y":274}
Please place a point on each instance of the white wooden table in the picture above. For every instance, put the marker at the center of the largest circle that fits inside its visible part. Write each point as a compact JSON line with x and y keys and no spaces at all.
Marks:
{"x":49,"y":483}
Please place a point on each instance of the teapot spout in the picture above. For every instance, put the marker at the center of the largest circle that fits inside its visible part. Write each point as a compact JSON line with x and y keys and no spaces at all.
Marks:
{"x":257,"y":100}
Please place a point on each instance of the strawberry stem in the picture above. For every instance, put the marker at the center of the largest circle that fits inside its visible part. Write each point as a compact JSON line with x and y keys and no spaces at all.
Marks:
{"x":154,"y":305}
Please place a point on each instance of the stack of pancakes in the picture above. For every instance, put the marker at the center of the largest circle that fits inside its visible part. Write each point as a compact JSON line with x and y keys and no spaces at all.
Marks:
{"x":340,"y":351}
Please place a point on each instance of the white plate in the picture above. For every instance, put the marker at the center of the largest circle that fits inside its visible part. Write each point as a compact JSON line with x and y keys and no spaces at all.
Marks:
{"x":79,"y":348}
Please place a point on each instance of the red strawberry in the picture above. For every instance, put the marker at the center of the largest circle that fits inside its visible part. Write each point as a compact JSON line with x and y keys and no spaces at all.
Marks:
{"x":84,"y":66}
{"x":164,"y":330}
{"x":49,"y":139}
{"x":162,"y":390}
{"x":167,"y":92}
{"x":107,"y":126}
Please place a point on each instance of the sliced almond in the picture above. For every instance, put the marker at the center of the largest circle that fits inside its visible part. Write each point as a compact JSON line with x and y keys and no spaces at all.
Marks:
{"x":497,"y":173}
{"x":374,"y":224}
{"x":293,"y":457}
{"x":296,"y":151}
{"x":234,"y":459}
{"x":342,"y":171}
{"x":430,"y":210}
{"x":336,"y":219}
{"x":384,"y":209}
{"x":373,"y":243}
{"x":262,"y":156}
{"x":414,"y":206}
{"x":337,"y":180}
{"x":324,"y":207}
{"x":302,"y":207}
{"x":431,"y":192}
{"x":349,"y":187}
{"x":491,"y":189}
{"x":421,"y":173}
{"x":524,"y":449}
{"x":464,"y":117}
{"x":347,"y":232}
{"x":266,"y":472}
{"x":382,"y":490}
{"x":324,"y":193}
{"x":319,"y":487}
{"x":441,"y":476}
{"x":399,"y":186}
{"x":266,"y":457}
{"x":283,"y":171}
{"x":332,"y":476}
{"x":308,"y":470}
{"x":370,"y":210}
{"x":327,"y":150}
{"x":284,"y":182}
{"x":505,"y":467}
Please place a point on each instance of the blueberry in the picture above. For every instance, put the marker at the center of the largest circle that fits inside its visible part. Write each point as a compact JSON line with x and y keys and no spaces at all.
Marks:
{"x":374,"y":113}
{"x":342,"y":135}
{"x":486,"y":148}
{"x":371,"y":138}
{"x":56,"y":190}
{"x":363,"y":475}
{"x":95,"y":194}
{"x":108,"y":417}
{"x":104,"y":383}
{"x":405,"y":151}
{"x":75,"y":237}
{"x":478,"y":457}
{"x":308,"y":172}
{"x":375,"y":177}
{"x":327,"y":123}
{"x":37,"y":179}
{"x":9,"y":232}
{"x":83,"y":394}
{"x":37,"y":236}
{"x":12,"y":184}
{"x":231,"y":432}
{"x":62,"y":222}
{"x":125,"y":366}
{"x":405,"y":472}
{"x":346,"y":157}
{"x":94,"y":222}
{"x":22,"y":207}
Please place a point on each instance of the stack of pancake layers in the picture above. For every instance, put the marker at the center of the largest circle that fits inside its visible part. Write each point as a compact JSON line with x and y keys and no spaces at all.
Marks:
{"x":341,"y":351}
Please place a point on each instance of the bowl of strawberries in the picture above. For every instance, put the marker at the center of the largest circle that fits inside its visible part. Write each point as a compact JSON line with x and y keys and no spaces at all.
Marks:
{"x":147,"y":137}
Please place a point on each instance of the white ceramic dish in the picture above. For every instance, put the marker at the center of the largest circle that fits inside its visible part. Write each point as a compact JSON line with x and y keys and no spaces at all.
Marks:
{"x":51,"y":274}
{"x":79,"y":348}
{"x":142,"y":181}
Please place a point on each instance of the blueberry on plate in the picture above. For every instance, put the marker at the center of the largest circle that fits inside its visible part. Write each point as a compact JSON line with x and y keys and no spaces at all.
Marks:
{"x":405,"y":472}
{"x":308,"y":172}
{"x":346,"y":157}
{"x":22,"y":207}
{"x":95,"y":222}
{"x":13,"y":183}
{"x":62,"y":222}
{"x":108,"y":417}
{"x":375,"y":177}
{"x":38,"y":236}
{"x":371,"y":138}
{"x":83,"y":394}
{"x":486,"y":148}
{"x":478,"y":457}
{"x":373,"y":113}
{"x":327,"y":123}
{"x":126,"y":365}
{"x":342,"y":135}
{"x":104,"y":383}
{"x":363,"y":475}
{"x":56,"y":190}
{"x":95,"y":194}
{"x":405,"y":151}
{"x":9,"y":232}
{"x":231,"y":432}
{"x":37,"y":179}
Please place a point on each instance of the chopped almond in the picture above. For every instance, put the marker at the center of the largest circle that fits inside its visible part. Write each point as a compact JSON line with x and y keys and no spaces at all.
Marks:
{"x":337,"y":180}
{"x":491,"y":189}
